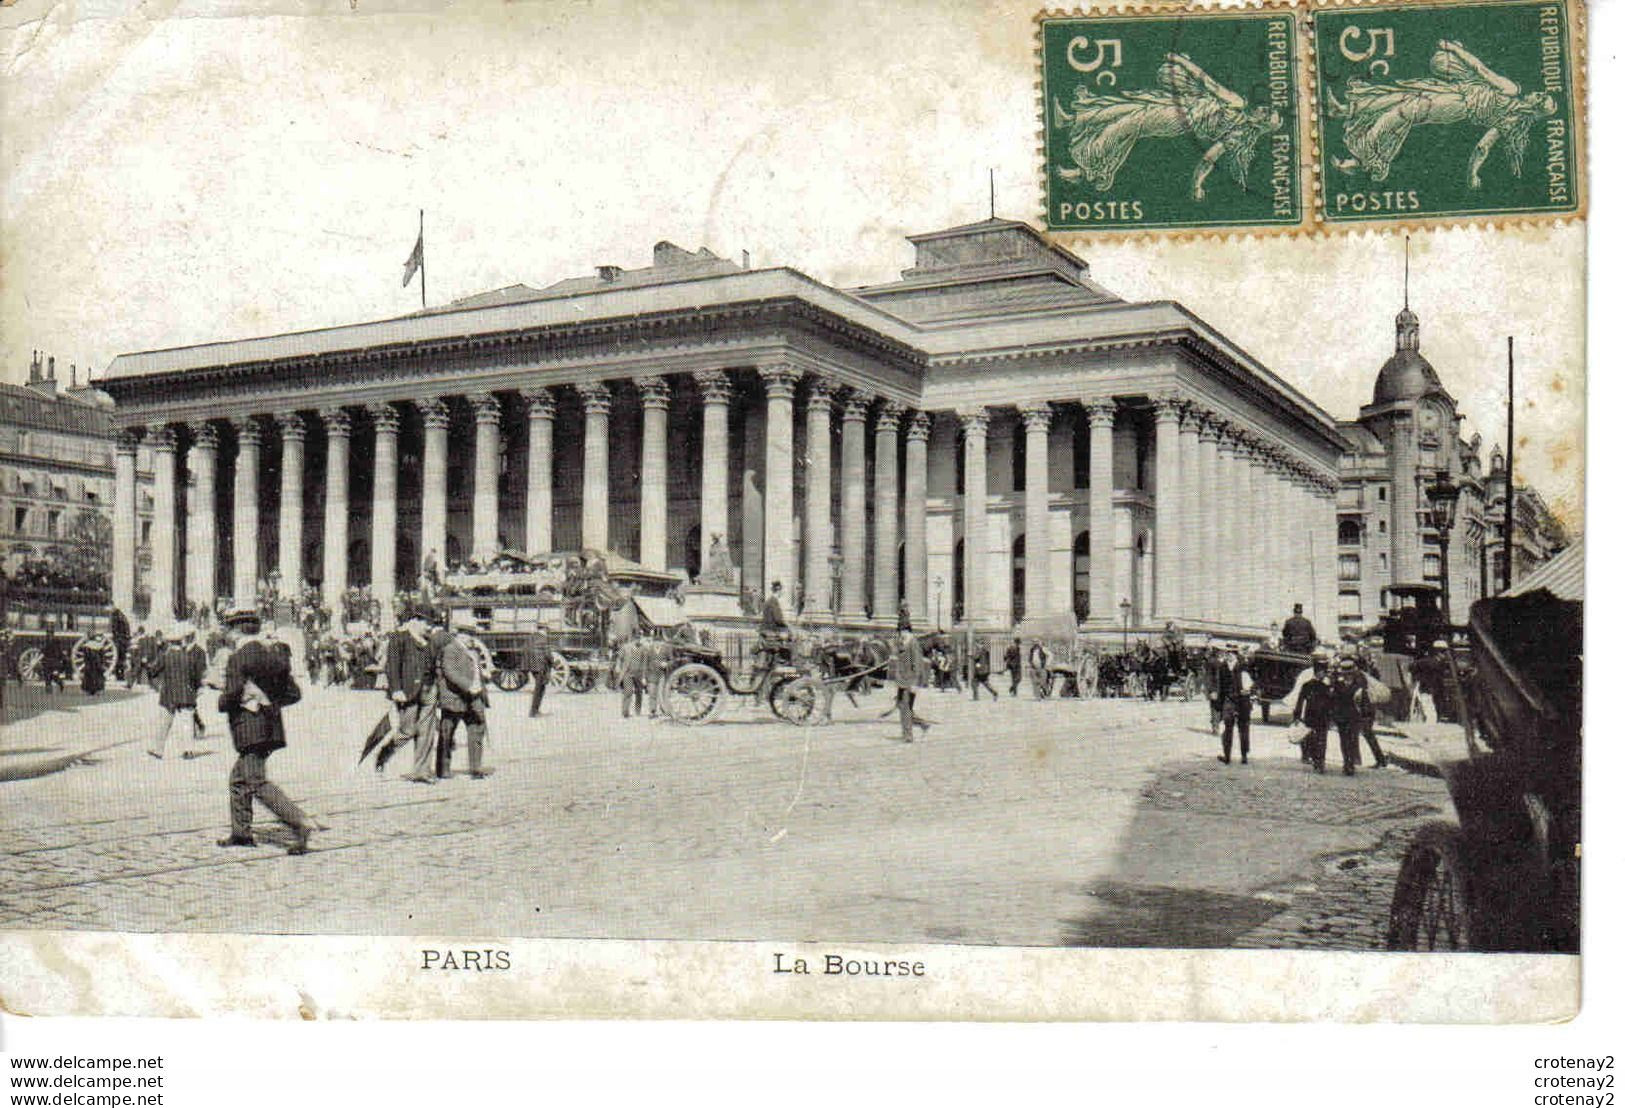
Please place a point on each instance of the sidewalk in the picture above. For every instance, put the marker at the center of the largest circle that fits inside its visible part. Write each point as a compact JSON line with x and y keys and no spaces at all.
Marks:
{"x":1420,"y":747}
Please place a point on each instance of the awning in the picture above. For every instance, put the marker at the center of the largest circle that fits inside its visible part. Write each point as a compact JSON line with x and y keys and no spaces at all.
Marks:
{"x":660,"y":611}
{"x":1563,"y":576}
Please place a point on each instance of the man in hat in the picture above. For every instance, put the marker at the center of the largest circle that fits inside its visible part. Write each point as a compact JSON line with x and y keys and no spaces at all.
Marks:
{"x":177,"y":673}
{"x":1350,"y":703}
{"x":981,"y":668}
{"x":258,"y":685}
{"x":409,"y":680}
{"x":772,"y":621}
{"x":909,"y":671}
{"x":1012,"y":664}
{"x":1235,"y":695}
{"x":538,"y":662}
{"x":460,"y":691}
{"x":1314,"y":711}
{"x":1297,"y":633}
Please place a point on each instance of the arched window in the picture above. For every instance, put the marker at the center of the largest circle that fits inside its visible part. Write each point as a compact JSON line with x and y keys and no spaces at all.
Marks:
{"x":1018,"y":579}
{"x":1080,"y":575}
{"x":1348,"y":532}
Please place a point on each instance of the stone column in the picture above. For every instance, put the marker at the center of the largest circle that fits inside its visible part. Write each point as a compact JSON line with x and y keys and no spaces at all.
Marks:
{"x":125,"y":526}
{"x":1211,"y":564}
{"x":1035,"y":418}
{"x":539,"y":473}
{"x":854,"y":504}
{"x":595,"y":466}
{"x":778,"y":477}
{"x":245,"y":514}
{"x":1251,"y":526}
{"x":436,"y":421}
{"x":885,"y":577}
{"x":162,"y":441}
{"x":1170,"y":516}
{"x":336,"y":519}
{"x":818,"y":526}
{"x":202,"y":526}
{"x":290,"y":546}
{"x":1326,"y":516}
{"x":386,"y":427}
{"x":1105,"y":590}
{"x":1193,"y":543}
{"x":1271,"y":563}
{"x":1231,"y":607}
{"x":652,"y":500}
{"x":487,"y":449}
{"x":715,"y":392}
{"x":915,"y":585}
{"x":973,"y":422}
{"x":1299,"y":572}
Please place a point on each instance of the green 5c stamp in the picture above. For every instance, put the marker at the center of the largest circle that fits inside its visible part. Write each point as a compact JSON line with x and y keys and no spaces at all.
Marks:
{"x":1178,"y":119}
{"x":1446,"y":110}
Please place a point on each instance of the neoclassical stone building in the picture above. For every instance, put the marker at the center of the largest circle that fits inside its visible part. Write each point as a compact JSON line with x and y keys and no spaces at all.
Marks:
{"x":993,"y":437}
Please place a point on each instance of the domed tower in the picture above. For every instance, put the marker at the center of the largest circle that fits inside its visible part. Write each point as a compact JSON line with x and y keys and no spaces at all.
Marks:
{"x":1415,"y":418}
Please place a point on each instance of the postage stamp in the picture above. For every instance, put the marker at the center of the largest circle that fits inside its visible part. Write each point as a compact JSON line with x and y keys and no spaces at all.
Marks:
{"x":1171,"y":121}
{"x":1447,"y":110}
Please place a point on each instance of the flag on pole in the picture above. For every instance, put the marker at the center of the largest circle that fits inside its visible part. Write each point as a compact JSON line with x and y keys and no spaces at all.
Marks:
{"x":414,"y":262}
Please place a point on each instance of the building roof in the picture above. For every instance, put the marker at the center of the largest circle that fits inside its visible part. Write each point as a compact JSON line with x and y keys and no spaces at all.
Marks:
{"x":1407,"y":375}
{"x":1563,"y":576}
{"x":21,"y":406}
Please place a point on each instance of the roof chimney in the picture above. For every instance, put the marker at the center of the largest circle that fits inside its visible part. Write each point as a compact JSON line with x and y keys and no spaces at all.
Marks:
{"x":50,"y":374}
{"x":609,"y":273}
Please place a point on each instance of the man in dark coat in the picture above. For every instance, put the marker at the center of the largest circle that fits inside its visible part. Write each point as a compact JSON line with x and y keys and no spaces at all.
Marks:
{"x":538,"y":662}
{"x":1350,"y":703}
{"x":257,"y":686}
{"x":908,"y":669}
{"x":409,"y":679}
{"x":177,"y":674}
{"x":1012,"y":665}
{"x":981,"y":668}
{"x":1235,"y":693}
{"x":1297,"y":633}
{"x":460,"y":690}
{"x":1314,"y":711}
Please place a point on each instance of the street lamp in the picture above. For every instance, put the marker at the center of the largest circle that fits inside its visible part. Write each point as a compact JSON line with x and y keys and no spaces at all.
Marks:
{"x":1127,"y":609}
{"x":836,"y":600}
{"x":1442,"y":496}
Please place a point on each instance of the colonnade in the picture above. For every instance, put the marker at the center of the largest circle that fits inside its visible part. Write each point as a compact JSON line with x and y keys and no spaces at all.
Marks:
{"x":1241,"y":526}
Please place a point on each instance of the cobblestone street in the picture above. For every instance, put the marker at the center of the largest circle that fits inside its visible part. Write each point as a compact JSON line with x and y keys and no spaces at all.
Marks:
{"x":1100,"y":823}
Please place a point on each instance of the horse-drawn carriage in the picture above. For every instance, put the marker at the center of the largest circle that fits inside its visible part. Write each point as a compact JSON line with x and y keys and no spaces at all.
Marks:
{"x":1507,"y":877}
{"x":84,"y":631}
{"x":793,"y":676}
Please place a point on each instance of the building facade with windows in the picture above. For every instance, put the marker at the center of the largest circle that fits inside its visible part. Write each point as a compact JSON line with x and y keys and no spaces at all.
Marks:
{"x":56,"y":472}
{"x":992,"y":438}
{"x":1404,"y":441}
{"x":1537,"y":534}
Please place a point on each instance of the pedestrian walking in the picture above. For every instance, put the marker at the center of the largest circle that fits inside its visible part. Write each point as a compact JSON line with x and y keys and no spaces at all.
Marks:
{"x":462,"y":697}
{"x":1038,"y":662}
{"x":1368,"y":716}
{"x":1235,"y":690}
{"x":1314,"y":711}
{"x":1012,"y":664}
{"x":93,"y":678}
{"x":177,"y":674}
{"x":1350,"y":703}
{"x":909,"y":671}
{"x":981,"y":669}
{"x":257,"y":686}
{"x":538,"y":662}
{"x":629,"y":667}
{"x":409,"y":680}
{"x":460,"y":691}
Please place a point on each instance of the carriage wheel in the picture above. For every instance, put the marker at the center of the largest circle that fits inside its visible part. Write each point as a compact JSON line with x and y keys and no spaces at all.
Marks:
{"x":510,"y":680}
{"x":28,"y":663}
{"x":1432,"y":907}
{"x":795,"y":701}
{"x":558,"y":671}
{"x":581,"y":679}
{"x":694,"y":694}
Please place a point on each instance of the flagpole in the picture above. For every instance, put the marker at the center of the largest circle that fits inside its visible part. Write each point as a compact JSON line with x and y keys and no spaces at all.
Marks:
{"x":423,"y":275}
